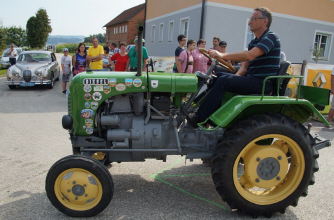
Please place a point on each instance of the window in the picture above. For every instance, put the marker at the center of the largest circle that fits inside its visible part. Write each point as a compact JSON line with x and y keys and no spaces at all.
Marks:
{"x":184,"y":26}
{"x":321,"y":45}
{"x":116,"y":30}
{"x":161,"y":32}
{"x":170,"y":31}
{"x":153,"y":33}
{"x":120,"y":29}
{"x":126,"y":29}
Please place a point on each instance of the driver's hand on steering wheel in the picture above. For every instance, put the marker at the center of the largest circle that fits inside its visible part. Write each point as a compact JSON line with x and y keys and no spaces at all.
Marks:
{"x":215,"y":53}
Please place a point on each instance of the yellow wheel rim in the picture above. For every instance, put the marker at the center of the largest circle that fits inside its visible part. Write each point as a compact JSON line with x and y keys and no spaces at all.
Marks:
{"x":265,"y":174}
{"x":78,"y":189}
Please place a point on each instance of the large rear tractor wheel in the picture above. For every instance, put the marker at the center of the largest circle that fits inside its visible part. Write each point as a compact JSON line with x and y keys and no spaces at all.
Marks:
{"x":264,"y":164}
{"x":79,"y":186}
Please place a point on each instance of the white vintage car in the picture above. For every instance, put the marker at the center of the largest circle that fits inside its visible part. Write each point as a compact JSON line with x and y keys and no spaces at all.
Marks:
{"x":34,"y":68}
{"x":4,"y":60}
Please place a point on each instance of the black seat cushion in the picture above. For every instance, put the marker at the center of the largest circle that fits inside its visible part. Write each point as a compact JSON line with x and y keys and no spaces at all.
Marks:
{"x":284,"y":65}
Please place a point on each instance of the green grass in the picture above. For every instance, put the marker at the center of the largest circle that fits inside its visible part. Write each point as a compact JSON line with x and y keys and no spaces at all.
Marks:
{"x":3,"y":72}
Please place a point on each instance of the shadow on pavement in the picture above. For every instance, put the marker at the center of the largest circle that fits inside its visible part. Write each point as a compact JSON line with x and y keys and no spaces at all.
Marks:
{"x":139,"y":198}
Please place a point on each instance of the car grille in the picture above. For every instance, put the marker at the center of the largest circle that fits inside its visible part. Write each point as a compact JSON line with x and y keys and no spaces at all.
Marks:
{"x":27,"y":75}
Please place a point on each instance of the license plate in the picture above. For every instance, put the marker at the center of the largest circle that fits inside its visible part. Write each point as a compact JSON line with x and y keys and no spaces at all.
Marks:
{"x":27,"y":84}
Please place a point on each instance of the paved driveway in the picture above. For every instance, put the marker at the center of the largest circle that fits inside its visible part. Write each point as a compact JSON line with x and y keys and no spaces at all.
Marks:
{"x":32,"y":139}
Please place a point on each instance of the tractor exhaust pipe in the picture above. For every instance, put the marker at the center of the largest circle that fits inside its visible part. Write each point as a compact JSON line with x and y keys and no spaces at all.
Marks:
{"x":140,"y":50}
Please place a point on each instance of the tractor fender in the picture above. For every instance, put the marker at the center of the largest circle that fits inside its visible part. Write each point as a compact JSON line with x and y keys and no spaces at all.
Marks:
{"x":239,"y":107}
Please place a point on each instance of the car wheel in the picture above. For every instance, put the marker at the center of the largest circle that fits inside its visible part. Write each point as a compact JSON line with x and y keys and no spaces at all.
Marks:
{"x":51,"y":85}
{"x":79,"y":186}
{"x":12,"y":86}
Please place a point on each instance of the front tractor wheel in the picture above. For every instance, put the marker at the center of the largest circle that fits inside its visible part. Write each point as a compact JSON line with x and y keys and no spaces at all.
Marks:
{"x":79,"y":186}
{"x":264,"y":164}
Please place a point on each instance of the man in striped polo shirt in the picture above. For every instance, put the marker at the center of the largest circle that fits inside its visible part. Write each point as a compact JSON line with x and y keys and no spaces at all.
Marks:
{"x":261,"y":60}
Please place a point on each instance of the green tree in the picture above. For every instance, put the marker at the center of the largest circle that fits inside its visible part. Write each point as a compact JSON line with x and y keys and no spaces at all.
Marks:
{"x":2,"y":39}
{"x":16,"y":35}
{"x":38,"y":29}
{"x":100,"y":37}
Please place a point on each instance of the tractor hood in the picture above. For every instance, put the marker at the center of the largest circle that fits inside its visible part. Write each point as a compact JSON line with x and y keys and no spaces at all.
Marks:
{"x":89,"y":90}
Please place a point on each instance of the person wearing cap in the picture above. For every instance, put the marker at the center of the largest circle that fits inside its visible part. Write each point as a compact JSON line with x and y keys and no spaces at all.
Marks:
{"x":132,"y":63}
{"x":222,"y":46}
{"x":95,"y":55}
{"x":66,"y":62}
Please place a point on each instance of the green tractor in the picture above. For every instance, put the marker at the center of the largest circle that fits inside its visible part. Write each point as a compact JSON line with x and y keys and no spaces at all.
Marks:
{"x":261,"y":155}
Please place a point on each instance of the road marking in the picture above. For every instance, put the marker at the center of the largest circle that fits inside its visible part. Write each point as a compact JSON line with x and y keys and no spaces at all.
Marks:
{"x":157,"y":176}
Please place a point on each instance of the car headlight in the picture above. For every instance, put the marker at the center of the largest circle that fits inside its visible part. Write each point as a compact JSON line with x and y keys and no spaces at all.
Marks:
{"x":40,"y":71}
{"x":14,"y":71}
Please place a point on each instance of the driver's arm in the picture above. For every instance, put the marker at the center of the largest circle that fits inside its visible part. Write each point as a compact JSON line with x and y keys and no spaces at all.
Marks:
{"x":243,"y":69}
{"x":241,"y":56}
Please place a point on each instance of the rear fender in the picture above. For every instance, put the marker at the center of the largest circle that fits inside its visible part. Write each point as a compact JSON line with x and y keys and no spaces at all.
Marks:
{"x":240,"y":107}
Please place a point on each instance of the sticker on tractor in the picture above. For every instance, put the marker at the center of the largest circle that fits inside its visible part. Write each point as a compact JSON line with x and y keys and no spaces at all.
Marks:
{"x":154,"y":83}
{"x":120,"y":87}
{"x":89,"y":130}
{"x":112,"y":82}
{"x":89,"y":123}
{"x":87,"y":113}
{"x":128,"y":82}
{"x":87,"y":104}
{"x":106,"y":89}
{"x":98,"y":88}
{"x":137,"y":82}
{"x":94,"y":105}
{"x":95,"y":82}
{"x":97,"y":96}
{"x":87,"y":88}
{"x":88,"y":96}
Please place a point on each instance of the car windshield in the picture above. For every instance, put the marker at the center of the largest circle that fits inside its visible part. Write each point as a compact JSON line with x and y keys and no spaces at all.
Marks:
{"x":34,"y":57}
{"x":5,"y":53}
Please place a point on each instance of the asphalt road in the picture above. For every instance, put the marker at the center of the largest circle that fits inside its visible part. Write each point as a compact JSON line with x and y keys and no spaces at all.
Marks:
{"x":32,"y":139}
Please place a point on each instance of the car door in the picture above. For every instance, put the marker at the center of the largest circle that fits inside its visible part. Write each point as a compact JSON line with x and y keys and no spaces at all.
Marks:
{"x":55,"y":66}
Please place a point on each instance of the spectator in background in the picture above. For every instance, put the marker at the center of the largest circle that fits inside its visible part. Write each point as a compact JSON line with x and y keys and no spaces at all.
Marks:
{"x":106,"y":59}
{"x":215,"y":43}
{"x":132,"y":62}
{"x":121,"y":59}
{"x":186,"y":58}
{"x":331,"y":111}
{"x":182,"y":43}
{"x":12,"y":53}
{"x":79,"y":59}
{"x":95,"y":55}
{"x":66,"y":69}
{"x":222,"y":46}
{"x":113,"y":49}
{"x":200,"y":61}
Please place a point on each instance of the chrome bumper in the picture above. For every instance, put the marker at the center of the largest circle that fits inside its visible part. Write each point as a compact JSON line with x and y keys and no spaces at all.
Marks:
{"x":31,"y":83}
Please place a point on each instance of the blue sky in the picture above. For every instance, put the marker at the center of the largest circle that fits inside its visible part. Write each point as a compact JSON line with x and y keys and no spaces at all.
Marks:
{"x":68,"y":17}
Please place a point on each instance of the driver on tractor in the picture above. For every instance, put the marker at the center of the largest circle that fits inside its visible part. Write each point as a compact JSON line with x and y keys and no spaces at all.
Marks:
{"x":261,"y":60}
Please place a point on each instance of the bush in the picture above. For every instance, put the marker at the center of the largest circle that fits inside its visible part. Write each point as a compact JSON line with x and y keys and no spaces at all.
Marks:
{"x":71,"y":47}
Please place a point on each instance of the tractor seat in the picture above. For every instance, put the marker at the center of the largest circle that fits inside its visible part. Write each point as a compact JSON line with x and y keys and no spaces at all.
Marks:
{"x":284,"y":65}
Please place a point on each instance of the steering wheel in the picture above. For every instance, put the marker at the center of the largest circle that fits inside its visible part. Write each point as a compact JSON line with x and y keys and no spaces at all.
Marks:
{"x":221,"y":62}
